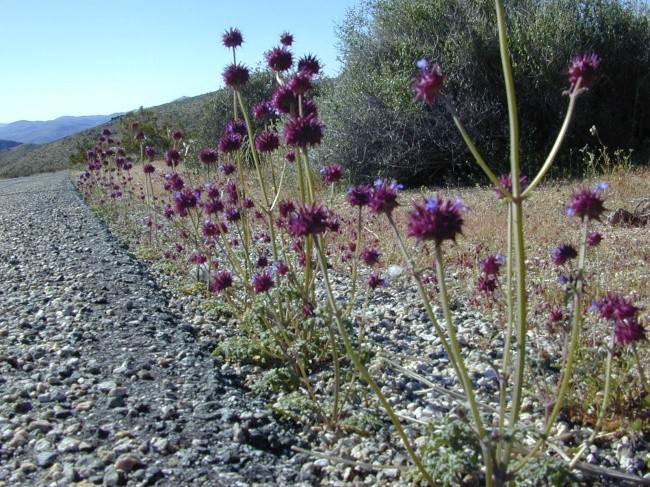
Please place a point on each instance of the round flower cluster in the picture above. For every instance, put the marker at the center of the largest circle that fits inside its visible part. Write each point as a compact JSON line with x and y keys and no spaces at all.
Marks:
{"x":436,"y":219}
{"x":623,"y":313}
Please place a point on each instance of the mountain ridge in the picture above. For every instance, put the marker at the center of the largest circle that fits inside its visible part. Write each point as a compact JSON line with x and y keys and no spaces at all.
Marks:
{"x":42,"y":132}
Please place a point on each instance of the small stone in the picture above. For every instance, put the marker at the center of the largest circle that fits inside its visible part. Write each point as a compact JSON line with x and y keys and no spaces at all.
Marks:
{"x":68,"y":445}
{"x":116,"y":402}
{"x":84,"y":406}
{"x":27,"y":467}
{"x":127,"y":462}
{"x":46,"y":459}
{"x":321,"y":462}
{"x":22,"y":407}
{"x":113,"y":477}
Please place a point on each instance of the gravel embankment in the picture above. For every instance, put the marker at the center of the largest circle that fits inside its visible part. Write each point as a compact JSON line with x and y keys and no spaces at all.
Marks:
{"x":99,"y":382}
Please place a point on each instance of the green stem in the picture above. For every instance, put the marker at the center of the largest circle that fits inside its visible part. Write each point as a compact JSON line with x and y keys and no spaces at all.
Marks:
{"x":642,"y":376}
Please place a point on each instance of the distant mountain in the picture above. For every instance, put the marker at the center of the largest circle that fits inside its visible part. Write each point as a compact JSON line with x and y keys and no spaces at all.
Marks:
{"x":8,"y":144}
{"x":38,"y":132}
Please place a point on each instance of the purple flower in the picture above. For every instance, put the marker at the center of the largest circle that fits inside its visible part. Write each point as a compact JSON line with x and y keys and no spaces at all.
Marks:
{"x":237,"y":127}
{"x":198,"y":258}
{"x":283,"y":99}
{"x":490,"y":265}
{"x":586,"y":204}
{"x":279,"y":59}
{"x":383,"y":197}
{"x":213,"y":206}
{"x":174,"y":182}
{"x":290,"y":156}
{"x":375,"y":280}
{"x":177,"y":134}
{"x":107,"y":132}
{"x":232,"y":214}
{"x":262,"y":261}
{"x":236,"y":76}
{"x":228,"y":168}
{"x":172,"y":157}
{"x":370,"y":256}
{"x":309,"y":220}
{"x":593,"y":239}
{"x":436,"y":220}
{"x":208,"y":156}
{"x":359,"y":195}
{"x":231,"y":191}
{"x":139,"y":135}
{"x":309,"y":64}
{"x":148,"y":168}
{"x":185,"y":200}
{"x":262,"y":282}
{"x":615,"y":307}
{"x":564,"y":253}
{"x":150,"y":152}
{"x":300,"y":83}
{"x":486,"y":284}
{"x":229,"y":142}
{"x":286,"y":39}
{"x":506,"y":181}
{"x":220,"y":281}
{"x":286,"y":207}
{"x":332,"y":174}
{"x":429,"y":83}
{"x":628,"y":331}
{"x":261,"y":110}
{"x":555,"y":316}
{"x":281,"y":268}
{"x":303,"y":131}
{"x":583,"y":69}
{"x":232,"y":38}
{"x":211,"y":228}
{"x":267,"y":141}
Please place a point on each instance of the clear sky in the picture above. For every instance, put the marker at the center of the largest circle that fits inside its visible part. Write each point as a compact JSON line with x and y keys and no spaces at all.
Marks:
{"x":90,"y":57}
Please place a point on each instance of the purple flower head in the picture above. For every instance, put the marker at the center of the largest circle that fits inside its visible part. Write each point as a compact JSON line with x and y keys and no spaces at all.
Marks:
{"x":628,"y":331}
{"x":236,"y":76}
{"x":106,"y":132}
{"x":177,"y":134}
{"x":286,"y":39}
{"x":262,"y":282}
{"x":555,"y":316}
{"x":422,"y":64}
{"x":486,"y":284}
{"x":139,"y":135}
{"x":228,"y":168}
{"x":490,"y":265}
{"x":262,"y":110}
{"x":286,"y":207}
{"x":583,"y":68}
{"x":232,"y":214}
{"x":213,"y":206}
{"x":198,"y":258}
{"x":184,"y":200}
{"x":262,"y":261}
{"x":300,"y":83}
{"x":359,"y":195}
{"x":229,"y":142}
{"x":280,"y":268}
{"x":283,"y":100}
{"x":303,"y":131}
{"x":231,"y":191}
{"x":237,"y":127}
{"x":309,"y":220}
{"x":150,"y":152}
{"x":370,"y":256}
{"x":279,"y":59}
{"x":173,"y":182}
{"x":506,"y":181}
{"x":290,"y":156}
{"x":332,"y":174}
{"x":172,"y":157}
{"x":135,"y":126}
{"x":211,"y":228}
{"x":616,"y":307}
{"x":232,"y":38}
{"x":436,"y":219}
{"x":375,"y":280}
{"x":309,"y":108}
{"x":564,"y":253}
{"x":593,"y":239}
{"x":586,"y":204}
{"x":220,"y":281}
{"x":267,"y":141}
{"x":428,"y":83}
{"x":384,"y":196}
{"x":148,"y":168}
{"x":309,"y":64}
{"x":208,"y":156}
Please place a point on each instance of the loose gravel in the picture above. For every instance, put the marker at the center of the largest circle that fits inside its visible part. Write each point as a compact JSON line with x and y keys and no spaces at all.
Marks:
{"x":107,"y":375}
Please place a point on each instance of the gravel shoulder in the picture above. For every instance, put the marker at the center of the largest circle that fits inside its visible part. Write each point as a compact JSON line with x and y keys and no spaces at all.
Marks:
{"x":100,"y":383}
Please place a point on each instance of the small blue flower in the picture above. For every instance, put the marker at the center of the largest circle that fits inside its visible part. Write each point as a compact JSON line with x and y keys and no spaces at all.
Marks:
{"x":602,"y":186}
{"x":422,"y":64}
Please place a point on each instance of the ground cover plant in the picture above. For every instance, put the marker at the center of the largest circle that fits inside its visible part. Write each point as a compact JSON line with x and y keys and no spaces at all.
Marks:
{"x":268,"y":238}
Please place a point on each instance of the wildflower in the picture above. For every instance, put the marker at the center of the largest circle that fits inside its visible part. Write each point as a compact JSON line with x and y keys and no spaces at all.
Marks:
{"x":303,"y":131}
{"x":228,"y":168}
{"x":300,"y":83}
{"x":261,"y":110}
{"x":281,"y":268}
{"x":232,"y":38}
{"x":490,"y":265}
{"x":198,"y":259}
{"x":383,"y":197}
{"x":208,"y":156}
{"x":290,"y":156}
{"x":213,"y":206}
{"x":583,"y":69}
{"x":139,"y":135}
{"x":262,"y":282}
{"x":436,"y":220}
{"x":107,"y":132}
{"x":177,"y":134}
{"x":429,"y":82}
{"x":309,"y":220}
{"x":148,"y":168}
{"x":628,"y":331}
{"x":286,"y":39}
{"x":486,"y":284}
{"x":220,"y":281}
{"x":150,"y":152}
{"x":375,"y":280}
{"x":506,"y":181}
{"x":283,"y":99}
{"x":172,"y":157}
{"x":237,"y":127}
{"x":229,"y":142}
{"x":562,"y":254}
{"x":309,"y":64}
{"x":332,"y":174}
{"x":593,"y":239}
{"x":286,"y":207}
{"x":359,"y":195}
{"x":232,"y":214}
{"x":279,"y":59}
{"x":370,"y":256}
{"x":185,"y":200}
{"x":236,"y":76}
{"x":615,"y":307}
{"x":555,"y":315}
{"x":231,"y":191}
{"x":587,"y":204}
{"x":174,"y":182}
{"x":210,"y":228}
{"x":267,"y":141}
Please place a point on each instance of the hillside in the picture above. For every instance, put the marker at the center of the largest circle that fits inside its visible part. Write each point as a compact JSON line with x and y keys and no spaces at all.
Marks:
{"x":7,"y":144}
{"x":29,"y":159}
{"x":37,"y":132}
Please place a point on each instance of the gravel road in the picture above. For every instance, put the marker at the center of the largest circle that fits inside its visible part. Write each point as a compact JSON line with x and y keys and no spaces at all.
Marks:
{"x":100,"y":383}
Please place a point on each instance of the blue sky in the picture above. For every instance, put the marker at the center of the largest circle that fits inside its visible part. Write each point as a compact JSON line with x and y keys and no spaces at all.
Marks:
{"x":86,"y":57}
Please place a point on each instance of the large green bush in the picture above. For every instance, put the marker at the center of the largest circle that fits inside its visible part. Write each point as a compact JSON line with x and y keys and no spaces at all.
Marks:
{"x":375,"y":129}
